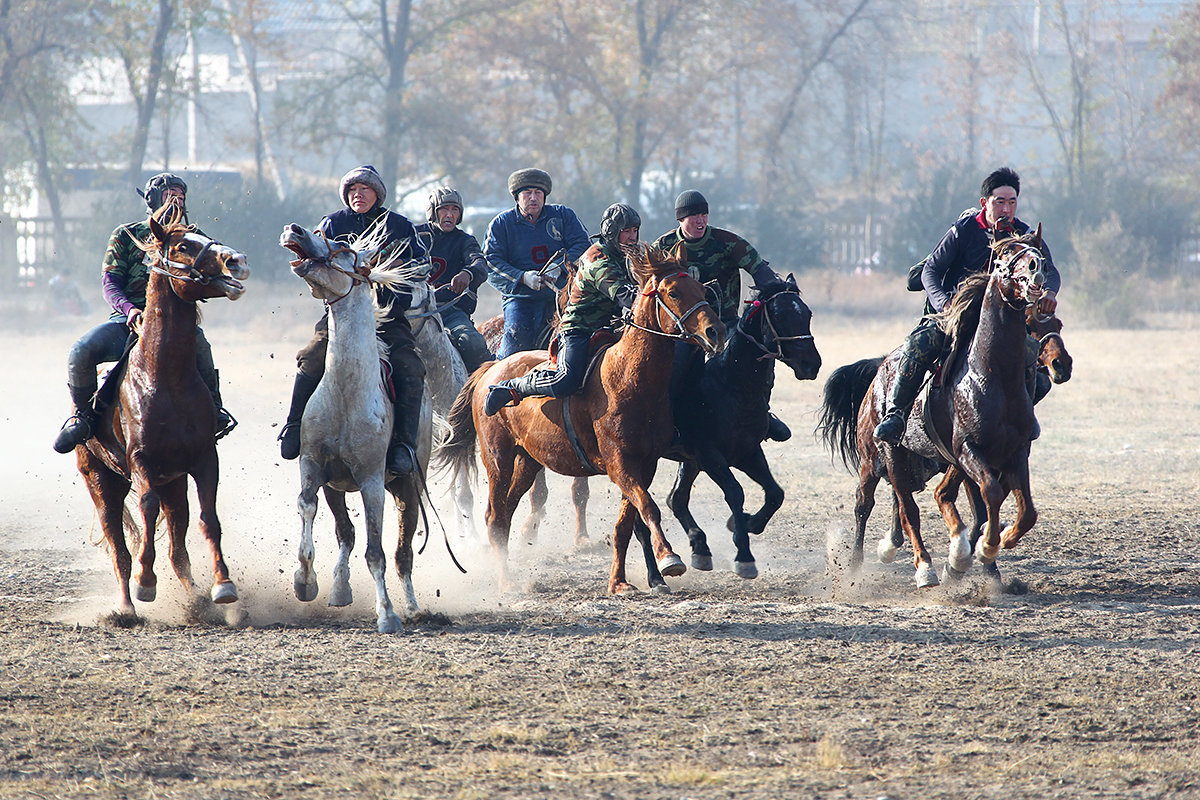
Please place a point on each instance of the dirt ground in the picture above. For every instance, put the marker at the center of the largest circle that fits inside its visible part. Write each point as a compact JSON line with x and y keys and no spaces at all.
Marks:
{"x":1086,"y":686}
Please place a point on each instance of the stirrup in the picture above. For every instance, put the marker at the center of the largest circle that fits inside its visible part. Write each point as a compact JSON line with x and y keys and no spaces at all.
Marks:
{"x":81,"y":430}
{"x":227,"y":428}
{"x":401,"y":450}
{"x":891,"y":428}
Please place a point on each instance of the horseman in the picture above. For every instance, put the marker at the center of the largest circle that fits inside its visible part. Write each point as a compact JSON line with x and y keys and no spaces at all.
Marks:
{"x":363,"y":192}
{"x":519,"y":247}
{"x":126,"y":272}
{"x":963,"y":250}
{"x":717,"y":255}
{"x":459,"y":269}
{"x":602,"y":290}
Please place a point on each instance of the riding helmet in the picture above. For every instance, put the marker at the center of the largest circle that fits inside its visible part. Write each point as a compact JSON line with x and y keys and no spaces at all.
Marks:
{"x":443,"y":196}
{"x":153,"y":193}
{"x":617,"y":218}
{"x":529,"y":178}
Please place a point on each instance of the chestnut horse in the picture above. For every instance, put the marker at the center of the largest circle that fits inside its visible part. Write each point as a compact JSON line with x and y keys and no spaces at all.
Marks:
{"x":347,"y":423}
{"x":162,"y":427}
{"x":621,"y":418}
{"x":977,"y":424}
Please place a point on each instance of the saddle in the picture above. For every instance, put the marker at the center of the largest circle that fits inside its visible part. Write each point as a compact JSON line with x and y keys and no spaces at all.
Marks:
{"x":599,"y":341}
{"x":111,"y":383}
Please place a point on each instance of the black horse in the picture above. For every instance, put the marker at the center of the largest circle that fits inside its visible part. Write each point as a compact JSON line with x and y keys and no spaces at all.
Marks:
{"x":724,"y":425}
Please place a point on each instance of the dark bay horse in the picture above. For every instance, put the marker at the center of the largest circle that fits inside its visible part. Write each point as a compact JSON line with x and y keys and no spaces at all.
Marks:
{"x":621,"y":418}
{"x":724,"y":428}
{"x":162,"y":427}
{"x":347,"y":423}
{"x":977,"y":424}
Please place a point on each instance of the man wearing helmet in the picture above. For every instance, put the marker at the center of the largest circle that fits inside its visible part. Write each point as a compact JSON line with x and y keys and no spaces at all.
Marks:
{"x":602,"y":288}
{"x":716,"y":255}
{"x":126,"y":272}
{"x":459,"y":269}
{"x":363,"y":192}
{"x":519,"y":247}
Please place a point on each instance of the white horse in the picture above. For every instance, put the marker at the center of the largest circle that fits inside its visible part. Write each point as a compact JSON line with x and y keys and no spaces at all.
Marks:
{"x":347,"y":423}
{"x":445,"y":375}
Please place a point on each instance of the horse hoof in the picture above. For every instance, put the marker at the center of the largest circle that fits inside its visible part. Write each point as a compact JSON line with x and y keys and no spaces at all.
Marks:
{"x":389,"y":623}
{"x":660,"y":588}
{"x":622,"y":589}
{"x":671,"y":566}
{"x":952,"y":575}
{"x":745,"y":569}
{"x":306,"y":590}
{"x":340,"y":595}
{"x":886,"y":551}
{"x":702,"y":563}
{"x":985,"y":554}
{"x":146,"y":594}
{"x":224,"y":592}
{"x":926,"y":576}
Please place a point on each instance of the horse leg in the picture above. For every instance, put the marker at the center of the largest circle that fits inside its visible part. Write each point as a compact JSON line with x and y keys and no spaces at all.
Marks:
{"x":373,"y":496}
{"x":108,"y":491}
{"x":654,"y":578}
{"x":173,"y":499}
{"x":304,"y":582}
{"x":1026,"y":513}
{"x":464,"y":502}
{"x":979,"y":512}
{"x":617,"y":583}
{"x":717,"y":469}
{"x":146,"y":581}
{"x":407,"y":509}
{"x":899,"y":471}
{"x":678,"y":501}
{"x":993,"y":493}
{"x":340,"y":593}
{"x":580,"y":492}
{"x":508,"y":480}
{"x":206,"y":477}
{"x":864,"y":503}
{"x":537,"y":508}
{"x":632,"y":480}
{"x":958,"y":561}
{"x":758,"y":470}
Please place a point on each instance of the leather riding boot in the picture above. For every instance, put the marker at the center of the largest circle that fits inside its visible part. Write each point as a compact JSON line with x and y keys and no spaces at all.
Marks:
{"x":406,"y":425}
{"x":777,"y":431}
{"x":289,"y":437}
{"x":80,"y":426}
{"x":225,"y":421}
{"x":904,"y":391}
{"x":499,"y":396}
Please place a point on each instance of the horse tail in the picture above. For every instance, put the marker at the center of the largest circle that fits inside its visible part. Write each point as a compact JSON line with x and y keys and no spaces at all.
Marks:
{"x":844,"y":393}
{"x":457,"y":452}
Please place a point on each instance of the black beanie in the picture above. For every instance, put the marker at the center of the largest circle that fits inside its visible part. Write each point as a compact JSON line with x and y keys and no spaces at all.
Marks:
{"x":689,"y":203}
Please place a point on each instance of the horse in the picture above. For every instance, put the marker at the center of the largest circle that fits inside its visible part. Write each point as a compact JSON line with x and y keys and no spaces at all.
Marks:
{"x":619,"y":424}
{"x":1052,"y":350}
{"x":162,"y":427}
{"x":726,"y":427}
{"x":493,"y":330}
{"x":345,"y":429}
{"x":977,"y":425}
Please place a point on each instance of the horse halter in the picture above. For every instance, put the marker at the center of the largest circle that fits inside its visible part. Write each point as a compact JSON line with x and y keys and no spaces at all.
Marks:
{"x":360,"y":273}
{"x":1032,"y":275}
{"x":764,"y":306}
{"x":191,"y":272}
{"x":679,"y":319}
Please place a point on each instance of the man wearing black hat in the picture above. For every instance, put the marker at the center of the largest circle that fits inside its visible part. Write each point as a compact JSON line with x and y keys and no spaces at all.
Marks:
{"x":363,"y":192}
{"x":519,"y":248}
{"x":126,"y":272}
{"x":717,"y":255}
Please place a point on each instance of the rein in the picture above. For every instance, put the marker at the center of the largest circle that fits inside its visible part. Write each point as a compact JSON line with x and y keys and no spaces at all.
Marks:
{"x":765,"y":307}
{"x":441,"y":308}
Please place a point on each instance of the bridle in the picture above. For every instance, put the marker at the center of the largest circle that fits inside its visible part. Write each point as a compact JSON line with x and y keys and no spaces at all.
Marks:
{"x":359,"y":273}
{"x":1033,"y":278}
{"x":679,"y":319}
{"x":764,"y":306}
{"x":190,"y":272}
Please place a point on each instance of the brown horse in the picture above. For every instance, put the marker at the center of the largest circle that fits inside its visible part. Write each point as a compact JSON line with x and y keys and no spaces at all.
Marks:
{"x":977,"y":424}
{"x":621,"y":418}
{"x":163,"y":423}
{"x":1052,"y":350}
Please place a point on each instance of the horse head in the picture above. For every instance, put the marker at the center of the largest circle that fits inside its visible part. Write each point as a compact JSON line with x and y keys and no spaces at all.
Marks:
{"x":779,"y":322}
{"x":671,"y":301}
{"x":199,"y":268}
{"x":1052,"y":350}
{"x":330,"y":268}
{"x":1018,"y":262}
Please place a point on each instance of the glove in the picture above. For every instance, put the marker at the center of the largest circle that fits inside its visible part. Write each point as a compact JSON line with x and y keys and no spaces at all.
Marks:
{"x":532,"y":279}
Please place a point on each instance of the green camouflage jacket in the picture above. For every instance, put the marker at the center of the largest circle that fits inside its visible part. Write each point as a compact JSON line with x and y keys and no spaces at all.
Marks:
{"x":718,"y":255}
{"x":596,"y":291}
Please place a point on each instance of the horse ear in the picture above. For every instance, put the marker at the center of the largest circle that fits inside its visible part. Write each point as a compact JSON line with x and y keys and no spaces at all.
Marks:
{"x":1037,"y":237}
{"x":158,"y":230}
{"x":679,"y":254}
{"x":791,"y":281}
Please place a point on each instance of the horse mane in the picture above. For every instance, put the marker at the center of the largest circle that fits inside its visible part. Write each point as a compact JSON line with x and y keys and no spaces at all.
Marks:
{"x":960,"y":317}
{"x":648,"y":261}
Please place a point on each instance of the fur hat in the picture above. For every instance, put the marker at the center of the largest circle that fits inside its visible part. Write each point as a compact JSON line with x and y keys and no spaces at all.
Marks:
{"x":529,"y":178}
{"x":690,"y":202}
{"x":365,"y":174}
{"x":443,"y":196}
